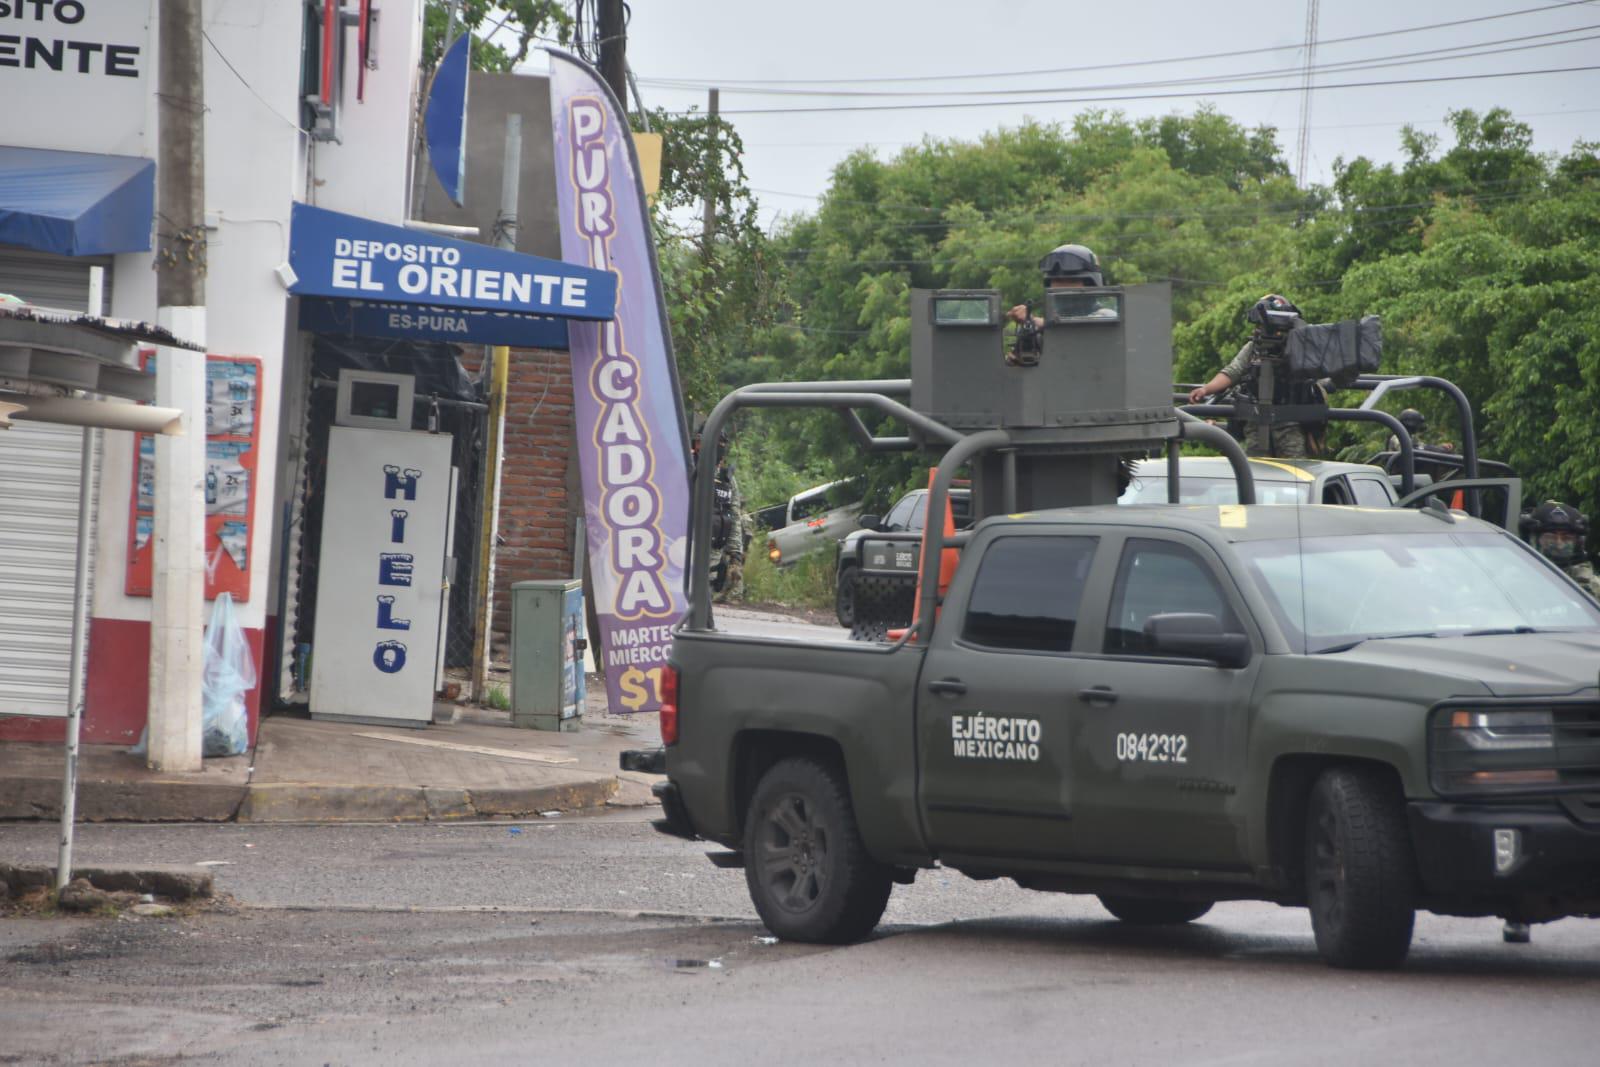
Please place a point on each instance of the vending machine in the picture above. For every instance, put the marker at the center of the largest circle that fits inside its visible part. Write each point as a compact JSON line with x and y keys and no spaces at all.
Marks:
{"x":381,"y":576}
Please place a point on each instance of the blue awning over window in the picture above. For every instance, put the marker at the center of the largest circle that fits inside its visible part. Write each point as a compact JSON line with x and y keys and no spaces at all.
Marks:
{"x":76,"y":203}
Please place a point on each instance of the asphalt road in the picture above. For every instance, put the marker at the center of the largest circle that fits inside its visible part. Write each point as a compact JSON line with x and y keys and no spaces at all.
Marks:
{"x":375,"y":944}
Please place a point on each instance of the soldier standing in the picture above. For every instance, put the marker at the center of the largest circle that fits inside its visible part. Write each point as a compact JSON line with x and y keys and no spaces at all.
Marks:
{"x":1557,"y":530}
{"x":729,"y":525}
{"x":1063,"y":267}
{"x":1417,"y":426}
{"x":1257,"y":373}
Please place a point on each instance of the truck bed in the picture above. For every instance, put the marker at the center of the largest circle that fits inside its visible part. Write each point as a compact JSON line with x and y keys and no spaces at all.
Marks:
{"x":746,"y":698}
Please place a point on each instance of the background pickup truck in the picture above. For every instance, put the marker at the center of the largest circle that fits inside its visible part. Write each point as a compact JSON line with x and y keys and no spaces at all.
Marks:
{"x":1364,"y":712}
{"x":907,"y":516}
{"x":817,"y":518}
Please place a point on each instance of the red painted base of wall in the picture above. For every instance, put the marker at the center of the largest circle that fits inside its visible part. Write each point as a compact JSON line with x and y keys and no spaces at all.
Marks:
{"x":118,"y":692}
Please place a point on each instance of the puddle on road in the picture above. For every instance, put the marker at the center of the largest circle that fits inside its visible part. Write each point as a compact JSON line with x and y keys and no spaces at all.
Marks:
{"x":691,"y":965}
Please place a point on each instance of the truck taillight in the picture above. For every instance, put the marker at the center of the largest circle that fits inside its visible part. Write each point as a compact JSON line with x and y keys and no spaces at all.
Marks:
{"x":669,"y":705}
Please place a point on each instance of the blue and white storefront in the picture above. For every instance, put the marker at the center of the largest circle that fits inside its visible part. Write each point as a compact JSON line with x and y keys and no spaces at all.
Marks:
{"x":310,"y":268}
{"x":392,"y":491}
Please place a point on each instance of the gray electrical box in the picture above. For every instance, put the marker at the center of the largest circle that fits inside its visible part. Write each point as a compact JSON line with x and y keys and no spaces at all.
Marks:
{"x":1102,"y":375}
{"x":547,"y":644}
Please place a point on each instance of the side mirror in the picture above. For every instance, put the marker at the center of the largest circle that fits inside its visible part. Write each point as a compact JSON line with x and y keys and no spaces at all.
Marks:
{"x":1196,"y":636}
{"x":872,"y":522}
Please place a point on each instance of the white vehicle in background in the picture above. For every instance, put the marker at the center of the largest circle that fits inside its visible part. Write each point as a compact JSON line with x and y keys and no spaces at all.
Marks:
{"x":812,"y":520}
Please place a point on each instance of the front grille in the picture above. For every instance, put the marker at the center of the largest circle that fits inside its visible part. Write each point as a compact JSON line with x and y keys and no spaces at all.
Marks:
{"x":1515,"y":753}
{"x":1584,"y":807}
{"x":1577,"y":748}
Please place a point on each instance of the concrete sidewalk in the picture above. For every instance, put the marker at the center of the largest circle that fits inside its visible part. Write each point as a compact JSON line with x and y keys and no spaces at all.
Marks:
{"x":306,"y":771}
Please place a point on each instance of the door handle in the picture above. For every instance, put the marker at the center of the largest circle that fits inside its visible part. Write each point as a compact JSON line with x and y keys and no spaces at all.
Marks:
{"x":1099,"y":694}
{"x":947,"y":686}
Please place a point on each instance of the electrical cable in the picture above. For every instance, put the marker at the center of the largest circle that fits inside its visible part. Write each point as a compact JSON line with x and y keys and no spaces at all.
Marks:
{"x":964,"y":104}
{"x":1346,"y":66}
{"x":725,"y":82}
{"x":235,"y":71}
{"x":1284,"y":206}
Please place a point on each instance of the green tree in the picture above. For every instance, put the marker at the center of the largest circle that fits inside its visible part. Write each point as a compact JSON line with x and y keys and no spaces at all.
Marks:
{"x":522,"y":22}
{"x":721,"y":284}
{"x":981,"y":214}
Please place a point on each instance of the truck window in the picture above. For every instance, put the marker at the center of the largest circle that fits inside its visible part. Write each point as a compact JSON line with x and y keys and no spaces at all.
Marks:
{"x":1154,"y":578}
{"x":1371,"y":493}
{"x":1028,"y":592}
{"x":808,"y":504}
{"x":900,"y":517}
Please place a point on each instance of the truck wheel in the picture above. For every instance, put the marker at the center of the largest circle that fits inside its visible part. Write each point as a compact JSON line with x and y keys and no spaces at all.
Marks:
{"x":844,"y":597}
{"x":1360,"y":874}
{"x":805,"y":863}
{"x":1145,"y":911}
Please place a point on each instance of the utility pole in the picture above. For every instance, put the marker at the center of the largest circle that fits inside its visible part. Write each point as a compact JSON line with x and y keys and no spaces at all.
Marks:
{"x":498,"y":376}
{"x":1303,"y":148}
{"x":709,"y":226}
{"x":614,"y":49}
{"x":177,"y":604}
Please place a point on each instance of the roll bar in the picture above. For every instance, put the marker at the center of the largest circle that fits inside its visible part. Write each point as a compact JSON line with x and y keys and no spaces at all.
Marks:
{"x":839,"y":395}
{"x":1382,"y":384}
{"x":844,"y":397}
{"x":1408,"y":467}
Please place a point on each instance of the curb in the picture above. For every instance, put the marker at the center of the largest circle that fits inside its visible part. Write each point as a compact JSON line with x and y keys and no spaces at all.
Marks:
{"x":175,"y":881}
{"x":305,"y":803}
{"x":143,"y":801}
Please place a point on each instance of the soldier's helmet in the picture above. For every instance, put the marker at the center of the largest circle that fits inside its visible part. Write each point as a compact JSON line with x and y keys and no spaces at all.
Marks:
{"x":1273,"y":314}
{"x":1557,"y":530}
{"x":1072,"y":261}
{"x":1413,"y":421}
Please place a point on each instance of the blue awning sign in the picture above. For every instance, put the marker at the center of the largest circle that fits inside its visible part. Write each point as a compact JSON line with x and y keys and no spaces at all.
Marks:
{"x":358,"y":318}
{"x":347,"y":257}
{"x":76,"y":203}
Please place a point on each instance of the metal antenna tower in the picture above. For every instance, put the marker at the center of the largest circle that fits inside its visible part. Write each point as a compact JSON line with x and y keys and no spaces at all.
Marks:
{"x":1303,"y":148}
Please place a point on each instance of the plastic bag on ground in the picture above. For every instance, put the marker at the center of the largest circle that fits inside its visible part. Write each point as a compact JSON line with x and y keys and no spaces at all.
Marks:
{"x":229,"y":674}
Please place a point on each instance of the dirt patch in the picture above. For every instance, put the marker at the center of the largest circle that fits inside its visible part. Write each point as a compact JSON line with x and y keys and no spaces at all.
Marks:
{"x":815,"y":616}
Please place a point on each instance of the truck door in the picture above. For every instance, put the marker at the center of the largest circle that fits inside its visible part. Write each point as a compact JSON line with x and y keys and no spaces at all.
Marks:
{"x":1496,"y":500}
{"x":994,"y":702}
{"x":1158,"y":755}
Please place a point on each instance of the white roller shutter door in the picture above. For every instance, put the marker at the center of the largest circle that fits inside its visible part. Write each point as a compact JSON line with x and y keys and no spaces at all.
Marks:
{"x":39,"y":466}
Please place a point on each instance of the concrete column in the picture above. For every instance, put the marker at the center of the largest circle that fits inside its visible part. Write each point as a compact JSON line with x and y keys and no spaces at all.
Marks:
{"x":177,"y":605}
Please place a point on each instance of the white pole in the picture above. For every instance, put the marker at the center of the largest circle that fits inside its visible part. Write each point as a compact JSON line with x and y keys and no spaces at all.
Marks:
{"x":80,"y":624}
{"x":177,"y":603}
{"x":80,"y":621}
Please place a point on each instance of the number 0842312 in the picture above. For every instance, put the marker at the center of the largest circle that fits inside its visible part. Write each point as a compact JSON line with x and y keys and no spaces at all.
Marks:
{"x":1153,"y":748}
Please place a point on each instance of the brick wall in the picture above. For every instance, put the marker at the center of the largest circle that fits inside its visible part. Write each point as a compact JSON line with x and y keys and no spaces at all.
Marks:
{"x":535,"y":532}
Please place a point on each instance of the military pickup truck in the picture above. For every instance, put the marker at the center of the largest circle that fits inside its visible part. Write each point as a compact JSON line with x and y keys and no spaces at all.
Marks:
{"x":1360,"y":711}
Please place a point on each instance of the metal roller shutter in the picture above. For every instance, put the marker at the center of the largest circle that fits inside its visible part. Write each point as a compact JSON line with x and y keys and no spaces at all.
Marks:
{"x":38,"y":546}
{"x":39,"y":514}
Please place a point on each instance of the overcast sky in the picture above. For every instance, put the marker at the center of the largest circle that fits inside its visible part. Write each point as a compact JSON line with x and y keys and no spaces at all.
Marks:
{"x":734,"y":44}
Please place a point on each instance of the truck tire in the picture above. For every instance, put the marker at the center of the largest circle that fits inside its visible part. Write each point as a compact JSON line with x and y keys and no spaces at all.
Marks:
{"x":807,"y":868}
{"x":844,"y":597}
{"x":1360,"y":872}
{"x":1150,"y":911}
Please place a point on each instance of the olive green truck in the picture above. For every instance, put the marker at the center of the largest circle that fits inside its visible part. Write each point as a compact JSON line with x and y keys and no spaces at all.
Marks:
{"x":1364,"y":712}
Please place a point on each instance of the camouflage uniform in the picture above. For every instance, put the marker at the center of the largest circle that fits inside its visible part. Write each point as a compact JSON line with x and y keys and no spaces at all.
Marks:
{"x":1583,"y":573}
{"x":733,"y":547}
{"x":1288,"y":438}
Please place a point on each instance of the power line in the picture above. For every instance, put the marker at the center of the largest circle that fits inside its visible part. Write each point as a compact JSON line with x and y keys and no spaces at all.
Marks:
{"x":960,"y":104}
{"x":991,"y":75}
{"x":1388,"y":124}
{"x":264,"y":102}
{"x":1303,"y":145}
{"x":1270,"y":207}
{"x":1345,"y":66}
